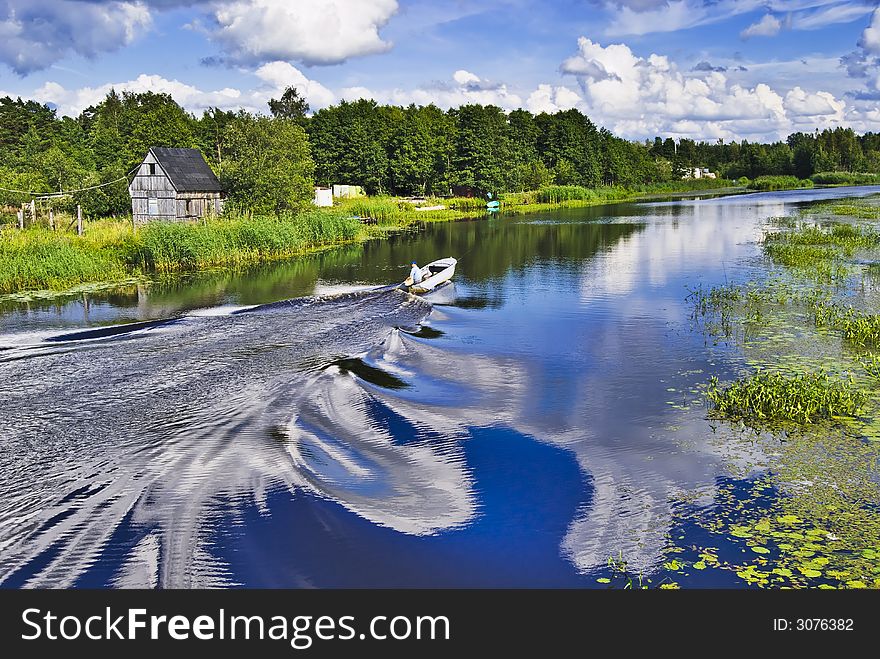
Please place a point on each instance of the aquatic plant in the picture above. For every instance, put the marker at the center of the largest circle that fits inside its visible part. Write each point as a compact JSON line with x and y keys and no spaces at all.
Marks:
{"x":768,"y":397}
{"x":856,"y":326}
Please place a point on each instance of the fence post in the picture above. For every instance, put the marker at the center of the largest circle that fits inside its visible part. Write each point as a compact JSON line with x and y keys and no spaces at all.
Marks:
{"x":33,"y":212}
{"x":52,"y":219}
{"x":79,"y":220}
{"x":20,"y":219}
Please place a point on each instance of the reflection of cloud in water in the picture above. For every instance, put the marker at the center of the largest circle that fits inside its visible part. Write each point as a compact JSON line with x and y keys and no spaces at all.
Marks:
{"x":155,"y":431}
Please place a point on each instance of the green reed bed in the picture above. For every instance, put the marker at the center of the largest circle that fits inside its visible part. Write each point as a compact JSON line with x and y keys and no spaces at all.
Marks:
{"x":845,"y":178}
{"x":770,"y":183}
{"x":768,"y":397}
{"x":163,"y":247}
{"x":38,"y":258}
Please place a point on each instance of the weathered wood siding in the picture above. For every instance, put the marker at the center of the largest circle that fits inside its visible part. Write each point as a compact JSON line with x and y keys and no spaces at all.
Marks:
{"x":153,"y":197}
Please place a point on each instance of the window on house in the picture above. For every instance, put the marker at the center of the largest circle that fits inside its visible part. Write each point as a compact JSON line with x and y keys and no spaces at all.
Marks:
{"x":153,"y":206}
{"x":151,"y":169}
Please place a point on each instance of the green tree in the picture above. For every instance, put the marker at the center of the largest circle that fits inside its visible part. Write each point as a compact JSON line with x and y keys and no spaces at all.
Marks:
{"x":482,"y":147}
{"x":267,"y":166}
{"x":290,"y":106}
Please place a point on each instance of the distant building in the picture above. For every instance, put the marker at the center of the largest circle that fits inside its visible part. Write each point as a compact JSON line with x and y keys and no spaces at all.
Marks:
{"x":323,"y":197}
{"x":347,"y":191}
{"x":698,"y":172}
{"x":174,"y":185}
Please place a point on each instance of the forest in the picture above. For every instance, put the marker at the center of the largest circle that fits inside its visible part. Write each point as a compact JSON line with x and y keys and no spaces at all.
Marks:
{"x":270,"y":162}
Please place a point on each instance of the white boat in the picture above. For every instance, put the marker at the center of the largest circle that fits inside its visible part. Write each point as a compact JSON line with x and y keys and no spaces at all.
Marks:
{"x":433,"y":274}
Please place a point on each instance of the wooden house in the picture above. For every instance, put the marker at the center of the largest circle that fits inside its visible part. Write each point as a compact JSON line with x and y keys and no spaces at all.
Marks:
{"x":174,"y":185}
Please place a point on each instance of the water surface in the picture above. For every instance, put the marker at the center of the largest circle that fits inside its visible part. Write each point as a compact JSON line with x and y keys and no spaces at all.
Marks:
{"x":290,"y":425}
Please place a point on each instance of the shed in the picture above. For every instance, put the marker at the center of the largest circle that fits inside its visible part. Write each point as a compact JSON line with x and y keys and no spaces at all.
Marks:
{"x":323,"y":197}
{"x":174,"y":185}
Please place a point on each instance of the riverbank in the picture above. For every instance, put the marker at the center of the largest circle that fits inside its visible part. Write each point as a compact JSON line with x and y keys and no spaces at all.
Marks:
{"x":39,"y":260}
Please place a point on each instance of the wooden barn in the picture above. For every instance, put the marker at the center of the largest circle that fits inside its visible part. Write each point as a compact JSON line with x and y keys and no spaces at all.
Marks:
{"x":174,"y":185}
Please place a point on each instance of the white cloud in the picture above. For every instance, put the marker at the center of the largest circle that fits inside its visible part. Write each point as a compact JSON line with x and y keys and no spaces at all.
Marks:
{"x":73,"y":101}
{"x":463,"y":77}
{"x":280,"y":75}
{"x":467,"y":88}
{"x":37,"y":33}
{"x":870,"y":40}
{"x":309,"y":31}
{"x":842,"y":13}
{"x":639,"y":97}
{"x":638,"y":18}
{"x":547,"y":98}
{"x":766,"y":27}
{"x":799,"y":103}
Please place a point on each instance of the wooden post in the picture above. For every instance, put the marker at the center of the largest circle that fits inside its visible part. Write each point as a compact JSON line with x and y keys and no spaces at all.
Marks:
{"x":52,"y":219}
{"x":33,"y":212}
{"x":79,"y":220}
{"x":21,"y":219}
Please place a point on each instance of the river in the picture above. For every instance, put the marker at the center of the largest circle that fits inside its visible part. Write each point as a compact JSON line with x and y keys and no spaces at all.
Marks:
{"x":288,"y":425}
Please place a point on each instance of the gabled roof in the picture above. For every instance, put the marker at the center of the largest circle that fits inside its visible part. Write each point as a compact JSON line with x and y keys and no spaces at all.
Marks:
{"x":187,"y":169}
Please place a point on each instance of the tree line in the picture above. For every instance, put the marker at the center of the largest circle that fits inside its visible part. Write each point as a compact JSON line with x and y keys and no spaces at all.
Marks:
{"x":271,"y":162}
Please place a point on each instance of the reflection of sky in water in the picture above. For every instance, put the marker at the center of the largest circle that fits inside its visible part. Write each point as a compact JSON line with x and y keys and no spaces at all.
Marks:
{"x":522,"y":442}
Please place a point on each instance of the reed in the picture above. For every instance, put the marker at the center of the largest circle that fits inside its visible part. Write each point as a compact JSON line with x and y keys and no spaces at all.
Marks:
{"x":845,"y":178}
{"x":163,"y":247}
{"x":38,"y":258}
{"x":770,"y":183}
{"x":767,"y":398}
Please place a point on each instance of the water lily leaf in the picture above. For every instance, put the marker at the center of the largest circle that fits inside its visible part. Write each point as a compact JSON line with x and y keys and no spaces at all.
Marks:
{"x":603,"y":580}
{"x":760,"y":550}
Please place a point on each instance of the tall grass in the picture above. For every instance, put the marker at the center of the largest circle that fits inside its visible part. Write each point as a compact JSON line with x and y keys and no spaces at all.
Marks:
{"x":769,"y":183}
{"x":684,"y":185}
{"x":164,"y":247}
{"x":41,"y":259}
{"x":36,"y":258}
{"x":846,"y":178}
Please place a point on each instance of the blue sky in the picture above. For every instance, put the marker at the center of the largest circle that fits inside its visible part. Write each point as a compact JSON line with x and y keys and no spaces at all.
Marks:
{"x":707,"y":69}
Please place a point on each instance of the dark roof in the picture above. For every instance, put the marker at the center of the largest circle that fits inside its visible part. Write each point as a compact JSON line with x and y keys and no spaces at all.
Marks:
{"x":187,"y":169}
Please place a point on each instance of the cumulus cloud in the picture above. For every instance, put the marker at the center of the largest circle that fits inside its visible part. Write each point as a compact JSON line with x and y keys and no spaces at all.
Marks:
{"x":464,"y":78}
{"x":643,"y":96}
{"x":768,"y":26}
{"x":272,"y":77}
{"x":547,"y":98}
{"x":280,"y":75}
{"x":308,"y":31}
{"x":870,"y":40}
{"x":73,"y":101}
{"x":37,"y":33}
{"x":464,"y":88}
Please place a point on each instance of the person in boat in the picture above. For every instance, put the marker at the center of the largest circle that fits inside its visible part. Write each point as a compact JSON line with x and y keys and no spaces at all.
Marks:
{"x":415,"y":273}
